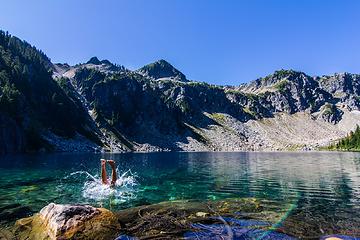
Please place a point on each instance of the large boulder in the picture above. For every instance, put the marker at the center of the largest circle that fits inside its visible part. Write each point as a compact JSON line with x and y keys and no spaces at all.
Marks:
{"x":56,"y":221}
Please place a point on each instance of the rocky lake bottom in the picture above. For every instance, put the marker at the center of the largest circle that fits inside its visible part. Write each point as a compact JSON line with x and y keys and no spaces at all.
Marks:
{"x":244,"y":195}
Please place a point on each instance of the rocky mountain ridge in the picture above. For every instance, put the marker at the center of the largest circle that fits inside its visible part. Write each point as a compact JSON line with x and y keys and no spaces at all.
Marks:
{"x":156,"y":108}
{"x":154,"y":112}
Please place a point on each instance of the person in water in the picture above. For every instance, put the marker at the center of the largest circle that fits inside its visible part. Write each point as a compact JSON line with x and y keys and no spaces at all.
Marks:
{"x":103,"y":172}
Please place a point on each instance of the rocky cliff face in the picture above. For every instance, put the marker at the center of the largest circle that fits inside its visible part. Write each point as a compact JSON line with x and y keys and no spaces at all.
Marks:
{"x":144,"y":110}
{"x":289,"y":91}
{"x":99,"y":104}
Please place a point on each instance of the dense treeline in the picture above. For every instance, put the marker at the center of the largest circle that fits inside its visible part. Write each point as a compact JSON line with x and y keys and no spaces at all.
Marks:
{"x":349,"y":143}
{"x":30,"y":96}
{"x":20,"y":64}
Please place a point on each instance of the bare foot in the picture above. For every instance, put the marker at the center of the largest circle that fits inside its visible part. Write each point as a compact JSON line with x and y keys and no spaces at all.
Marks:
{"x":103,"y":161}
{"x":111,"y":163}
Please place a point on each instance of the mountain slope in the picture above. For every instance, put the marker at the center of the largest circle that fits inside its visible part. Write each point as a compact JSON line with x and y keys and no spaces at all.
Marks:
{"x":153,"y":113}
{"x":99,"y":104}
{"x":32,"y":104}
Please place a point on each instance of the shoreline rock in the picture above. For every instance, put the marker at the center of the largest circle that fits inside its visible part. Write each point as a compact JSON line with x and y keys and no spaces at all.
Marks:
{"x":56,"y":221}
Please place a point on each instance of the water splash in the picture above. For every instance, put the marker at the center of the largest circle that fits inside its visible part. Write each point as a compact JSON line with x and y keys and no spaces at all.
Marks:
{"x":81,"y":172}
{"x":123,"y":190}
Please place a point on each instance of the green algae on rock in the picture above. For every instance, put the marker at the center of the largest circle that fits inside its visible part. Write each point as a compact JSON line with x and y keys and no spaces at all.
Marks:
{"x":169,"y":220}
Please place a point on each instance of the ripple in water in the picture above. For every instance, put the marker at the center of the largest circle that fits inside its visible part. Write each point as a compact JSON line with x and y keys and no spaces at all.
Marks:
{"x":94,"y":189}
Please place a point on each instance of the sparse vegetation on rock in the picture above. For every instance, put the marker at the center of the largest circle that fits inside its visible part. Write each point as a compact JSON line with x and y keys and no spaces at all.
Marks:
{"x":101,"y":105}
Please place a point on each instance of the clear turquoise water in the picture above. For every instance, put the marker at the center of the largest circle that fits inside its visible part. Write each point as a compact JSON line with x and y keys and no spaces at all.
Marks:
{"x":323,"y":188}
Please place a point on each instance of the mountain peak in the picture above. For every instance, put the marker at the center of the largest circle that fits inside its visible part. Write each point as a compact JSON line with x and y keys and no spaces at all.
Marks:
{"x":164,"y":63}
{"x":273,"y":80}
{"x":280,"y":75}
{"x":286,"y":73}
{"x":106,"y":62}
{"x":94,"y":60}
{"x":162,"y":69}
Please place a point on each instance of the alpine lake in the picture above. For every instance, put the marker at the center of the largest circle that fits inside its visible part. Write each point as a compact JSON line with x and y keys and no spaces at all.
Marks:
{"x":259,"y":195}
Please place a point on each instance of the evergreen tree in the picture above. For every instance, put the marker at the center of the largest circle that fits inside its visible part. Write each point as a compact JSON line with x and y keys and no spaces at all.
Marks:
{"x":350,"y":142}
{"x":28,"y":92}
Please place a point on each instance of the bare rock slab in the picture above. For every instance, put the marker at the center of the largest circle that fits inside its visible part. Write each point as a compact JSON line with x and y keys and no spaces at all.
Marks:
{"x":57,"y":221}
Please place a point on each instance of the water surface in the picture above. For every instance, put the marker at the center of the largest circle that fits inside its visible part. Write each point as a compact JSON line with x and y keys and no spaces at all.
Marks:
{"x":323,"y":188}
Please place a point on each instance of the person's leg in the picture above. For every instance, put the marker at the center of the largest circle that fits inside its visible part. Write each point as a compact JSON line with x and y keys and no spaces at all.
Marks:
{"x":113,"y":172}
{"x":103,"y":171}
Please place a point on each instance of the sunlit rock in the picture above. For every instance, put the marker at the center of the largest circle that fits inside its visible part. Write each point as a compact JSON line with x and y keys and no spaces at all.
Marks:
{"x":57,"y":221}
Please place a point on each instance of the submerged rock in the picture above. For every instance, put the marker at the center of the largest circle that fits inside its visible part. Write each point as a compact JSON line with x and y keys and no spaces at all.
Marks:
{"x":14,"y":211}
{"x":179,"y":219}
{"x":57,"y":221}
{"x":6,"y":234}
{"x":225,"y":231}
{"x":233,"y":218}
{"x":166,"y":220}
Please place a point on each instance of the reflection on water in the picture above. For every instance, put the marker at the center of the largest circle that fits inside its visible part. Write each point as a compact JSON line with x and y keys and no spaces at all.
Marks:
{"x":322,"y":188}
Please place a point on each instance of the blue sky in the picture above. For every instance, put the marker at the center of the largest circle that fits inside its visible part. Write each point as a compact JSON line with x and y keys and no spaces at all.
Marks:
{"x":221,"y":42}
